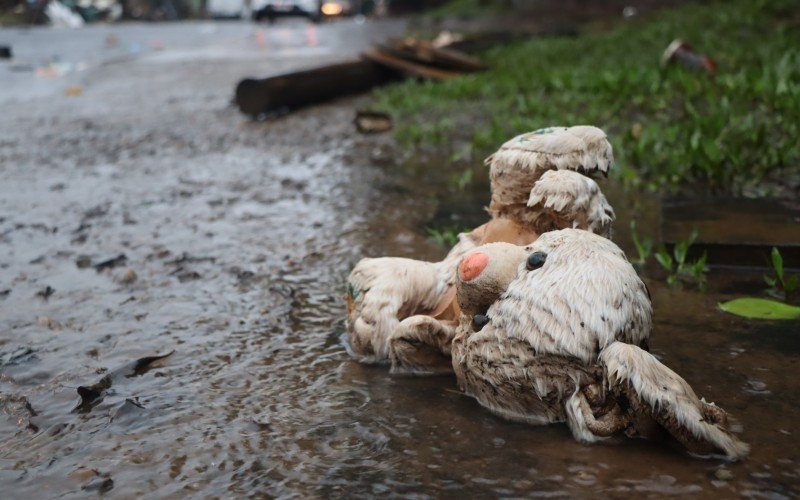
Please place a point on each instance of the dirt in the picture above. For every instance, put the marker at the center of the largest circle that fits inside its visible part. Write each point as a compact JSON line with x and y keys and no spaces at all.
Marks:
{"x":158,"y":220}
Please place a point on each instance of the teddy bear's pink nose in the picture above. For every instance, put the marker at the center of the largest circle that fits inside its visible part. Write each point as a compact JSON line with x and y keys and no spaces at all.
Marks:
{"x":472,"y":266}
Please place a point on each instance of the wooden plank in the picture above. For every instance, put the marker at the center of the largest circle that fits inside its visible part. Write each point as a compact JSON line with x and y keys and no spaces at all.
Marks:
{"x":407,"y":67}
{"x":734,"y":232}
{"x":424,"y":52}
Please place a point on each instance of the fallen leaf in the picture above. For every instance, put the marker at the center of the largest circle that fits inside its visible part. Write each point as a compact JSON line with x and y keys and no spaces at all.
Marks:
{"x":751,"y":307}
{"x":92,"y":395}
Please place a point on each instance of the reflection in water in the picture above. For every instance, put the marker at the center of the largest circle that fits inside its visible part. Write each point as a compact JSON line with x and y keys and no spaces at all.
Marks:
{"x":259,"y":393}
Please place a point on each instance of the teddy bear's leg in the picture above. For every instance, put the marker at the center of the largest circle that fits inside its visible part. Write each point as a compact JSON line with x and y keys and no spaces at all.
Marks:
{"x":508,"y":377}
{"x":381,"y":293}
{"x":594,"y":416}
{"x":420,"y":345}
{"x":655,"y":391}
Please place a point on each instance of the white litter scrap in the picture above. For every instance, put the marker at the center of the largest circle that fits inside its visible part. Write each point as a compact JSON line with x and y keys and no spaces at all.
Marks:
{"x":61,"y":16}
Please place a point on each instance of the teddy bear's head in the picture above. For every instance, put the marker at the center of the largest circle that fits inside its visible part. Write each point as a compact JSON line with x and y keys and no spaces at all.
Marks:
{"x":520,"y":162}
{"x":571,"y":292}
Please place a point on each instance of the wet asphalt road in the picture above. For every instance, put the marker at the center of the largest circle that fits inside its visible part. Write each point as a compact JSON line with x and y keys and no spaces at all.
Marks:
{"x":121,"y":141}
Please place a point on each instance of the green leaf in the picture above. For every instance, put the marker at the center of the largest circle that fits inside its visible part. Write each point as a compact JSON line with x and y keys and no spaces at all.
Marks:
{"x":680,"y":252}
{"x":791,"y":284}
{"x":751,"y":307}
{"x":665,"y":259}
{"x":770,"y":281}
{"x":777,"y":262}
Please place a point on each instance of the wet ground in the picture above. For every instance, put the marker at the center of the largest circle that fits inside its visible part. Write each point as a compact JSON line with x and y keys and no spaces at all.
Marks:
{"x":236,"y":239}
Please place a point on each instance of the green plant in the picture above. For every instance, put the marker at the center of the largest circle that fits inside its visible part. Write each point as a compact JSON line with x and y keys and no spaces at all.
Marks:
{"x":678,"y":267}
{"x":644,"y":246}
{"x":446,"y":236}
{"x":461,"y":180}
{"x":780,"y":286}
{"x":671,"y":127}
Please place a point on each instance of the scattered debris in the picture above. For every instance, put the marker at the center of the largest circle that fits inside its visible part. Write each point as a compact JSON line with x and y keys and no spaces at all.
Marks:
{"x":185,"y":275}
{"x":46,"y":292}
{"x":373,"y":122}
{"x":629,"y":12}
{"x":682,"y":52}
{"x":61,"y":16}
{"x":723,"y":474}
{"x":48,"y":322}
{"x":100,"y":485}
{"x":129,"y":276}
{"x":446,"y":38}
{"x":186,"y":258}
{"x":5,"y":293}
{"x":93,"y":394}
{"x":130,"y":408}
{"x":16,"y":355}
{"x":74,"y":91}
{"x":111,"y":263}
{"x":385,"y":62}
{"x":20,"y":409}
{"x":5,"y":52}
{"x":242,"y":275}
{"x":83,"y":261}
{"x":426,"y":56}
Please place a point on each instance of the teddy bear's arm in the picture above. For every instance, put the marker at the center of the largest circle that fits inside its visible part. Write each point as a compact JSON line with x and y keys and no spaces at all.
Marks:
{"x":382,"y":292}
{"x":420,"y":345}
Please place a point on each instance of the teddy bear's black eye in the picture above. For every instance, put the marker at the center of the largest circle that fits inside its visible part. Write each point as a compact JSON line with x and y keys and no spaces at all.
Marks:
{"x":479,"y":321}
{"x":536,"y":260}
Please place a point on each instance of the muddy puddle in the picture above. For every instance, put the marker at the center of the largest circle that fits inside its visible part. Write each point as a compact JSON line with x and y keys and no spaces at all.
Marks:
{"x":239,"y":271}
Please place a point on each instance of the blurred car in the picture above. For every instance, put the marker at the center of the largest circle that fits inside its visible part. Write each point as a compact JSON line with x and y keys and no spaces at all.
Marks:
{"x":272,"y":9}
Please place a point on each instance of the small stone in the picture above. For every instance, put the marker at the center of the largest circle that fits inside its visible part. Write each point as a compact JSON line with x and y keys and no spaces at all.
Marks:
{"x":129,"y":276}
{"x":723,"y":474}
{"x":83,"y":261}
{"x":84,"y":474}
{"x":47,"y":322}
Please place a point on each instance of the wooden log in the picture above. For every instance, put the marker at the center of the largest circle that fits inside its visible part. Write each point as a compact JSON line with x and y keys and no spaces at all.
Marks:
{"x":257,"y":97}
{"x":734,"y":232}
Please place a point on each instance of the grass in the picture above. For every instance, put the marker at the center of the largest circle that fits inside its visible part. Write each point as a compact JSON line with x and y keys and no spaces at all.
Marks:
{"x":465,"y":8}
{"x":671,"y":127}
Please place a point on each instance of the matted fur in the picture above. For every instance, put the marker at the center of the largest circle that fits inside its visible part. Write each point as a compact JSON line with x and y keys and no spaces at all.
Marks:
{"x":667,"y":393}
{"x":563,"y":197}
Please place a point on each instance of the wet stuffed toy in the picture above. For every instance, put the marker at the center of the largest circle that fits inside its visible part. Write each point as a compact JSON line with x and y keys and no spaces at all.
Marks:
{"x":539,"y":183}
{"x":558,"y":331}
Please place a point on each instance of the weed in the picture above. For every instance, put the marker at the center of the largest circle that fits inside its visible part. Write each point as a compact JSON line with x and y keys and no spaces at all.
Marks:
{"x":676,"y":265}
{"x":644,"y":246}
{"x":461,"y":180}
{"x":670,"y":126}
{"x":780,"y":286}
{"x":446,"y":236}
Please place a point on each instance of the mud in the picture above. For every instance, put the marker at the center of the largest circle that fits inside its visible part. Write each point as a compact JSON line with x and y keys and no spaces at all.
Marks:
{"x":236,"y":239}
